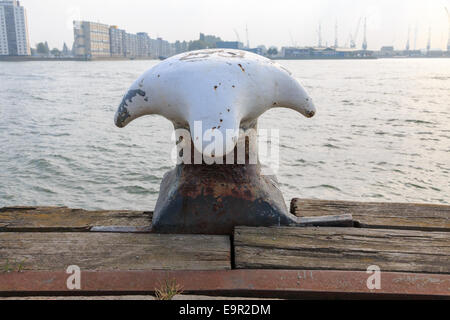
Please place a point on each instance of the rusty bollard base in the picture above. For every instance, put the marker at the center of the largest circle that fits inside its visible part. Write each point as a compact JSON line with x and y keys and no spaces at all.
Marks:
{"x":210,"y":93}
{"x":213,"y":199}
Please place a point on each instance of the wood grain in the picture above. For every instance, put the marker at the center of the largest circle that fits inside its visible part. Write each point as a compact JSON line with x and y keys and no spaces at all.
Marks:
{"x":62,"y":219}
{"x":407,"y":216}
{"x":107,"y":251}
{"x":342,"y":249}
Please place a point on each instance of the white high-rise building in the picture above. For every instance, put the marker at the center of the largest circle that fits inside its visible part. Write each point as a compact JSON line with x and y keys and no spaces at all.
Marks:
{"x":14,"y":38}
{"x":3,"y":36}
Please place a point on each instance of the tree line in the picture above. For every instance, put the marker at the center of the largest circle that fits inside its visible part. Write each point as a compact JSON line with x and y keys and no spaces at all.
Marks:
{"x":42,"y":48}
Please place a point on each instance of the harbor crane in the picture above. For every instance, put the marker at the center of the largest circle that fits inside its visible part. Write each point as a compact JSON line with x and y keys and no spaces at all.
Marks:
{"x":364,"y":45}
{"x":336,"y":41}
{"x":448,"y":41}
{"x":407,"y":42}
{"x":319,"y":33}
{"x":238,"y":38}
{"x":354,"y":36}
{"x":248,"y":39}
{"x":416,"y":32}
{"x":294,"y":44}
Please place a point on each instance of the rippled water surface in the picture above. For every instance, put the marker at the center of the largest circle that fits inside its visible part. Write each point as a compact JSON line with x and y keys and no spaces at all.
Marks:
{"x":382,"y":133}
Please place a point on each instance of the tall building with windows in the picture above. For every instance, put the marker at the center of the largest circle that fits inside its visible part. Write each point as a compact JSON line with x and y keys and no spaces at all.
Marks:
{"x":131,"y":45}
{"x":143,"y":44}
{"x":91,"y":39}
{"x":117,"y":42}
{"x":3,"y":35}
{"x":97,"y":40}
{"x":14,"y":37}
{"x":161,"y":48}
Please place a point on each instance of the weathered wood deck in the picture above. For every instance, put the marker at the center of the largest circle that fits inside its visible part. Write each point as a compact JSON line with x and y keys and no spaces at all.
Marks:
{"x":378,"y":215}
{"x":409,"y":242}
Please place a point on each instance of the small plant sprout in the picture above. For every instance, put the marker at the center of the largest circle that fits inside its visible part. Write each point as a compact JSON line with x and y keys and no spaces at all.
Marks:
{"x":7,"y":267}
{"x":168,"y":290}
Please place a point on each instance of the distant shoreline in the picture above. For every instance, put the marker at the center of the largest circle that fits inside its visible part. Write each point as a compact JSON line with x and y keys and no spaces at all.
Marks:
{"x":328,"y":58}
{"x":362,"y":58}
{"x":28,"y":58}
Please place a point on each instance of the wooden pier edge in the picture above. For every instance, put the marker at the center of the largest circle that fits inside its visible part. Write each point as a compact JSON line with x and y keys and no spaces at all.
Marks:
{"x":352,"y":249}
{"x":284,"y":284}
{"x":379,"y":215}
{"x":117,"y":255}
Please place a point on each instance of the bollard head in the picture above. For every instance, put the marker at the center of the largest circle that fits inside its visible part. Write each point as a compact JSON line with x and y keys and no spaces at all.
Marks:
{"x":219,"y":91}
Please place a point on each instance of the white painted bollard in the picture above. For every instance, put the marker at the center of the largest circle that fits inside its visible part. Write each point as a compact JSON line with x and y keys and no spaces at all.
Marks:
{"x":223,"y":92}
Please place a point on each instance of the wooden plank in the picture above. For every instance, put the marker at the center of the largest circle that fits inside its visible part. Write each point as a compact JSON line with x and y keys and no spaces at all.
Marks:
{"x":111,"y":251}
{"x":342,"y":249}
{"x":408,"y":216}
{"x":62,"y":219}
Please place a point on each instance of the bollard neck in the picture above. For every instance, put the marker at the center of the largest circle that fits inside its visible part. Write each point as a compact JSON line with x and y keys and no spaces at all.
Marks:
{"x":244,"y":153}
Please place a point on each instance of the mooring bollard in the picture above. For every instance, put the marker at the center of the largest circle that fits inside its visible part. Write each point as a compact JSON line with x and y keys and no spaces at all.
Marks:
{"x":214,"y":98}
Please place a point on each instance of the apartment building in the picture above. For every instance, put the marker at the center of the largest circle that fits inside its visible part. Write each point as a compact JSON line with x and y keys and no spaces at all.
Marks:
{"x":14,"y":37}
{"x":131,"y":45}
{"x":143,"y":44}
{"x":117,"y":42}
{"x":91,"y":39}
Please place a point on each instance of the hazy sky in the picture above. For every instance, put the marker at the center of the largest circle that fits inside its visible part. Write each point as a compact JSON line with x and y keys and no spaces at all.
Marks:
{"x":275,"y":22}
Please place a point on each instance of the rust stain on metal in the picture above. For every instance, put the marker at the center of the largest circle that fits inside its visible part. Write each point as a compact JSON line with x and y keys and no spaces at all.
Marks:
{"x":274,"y":283}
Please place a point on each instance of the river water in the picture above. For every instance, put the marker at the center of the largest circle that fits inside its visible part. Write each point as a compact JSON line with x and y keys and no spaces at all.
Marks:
{"x":382,"y":133}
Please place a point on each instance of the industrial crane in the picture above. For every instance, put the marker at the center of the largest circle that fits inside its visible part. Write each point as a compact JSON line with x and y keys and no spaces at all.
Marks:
{"x":319,"y":34}
{"x":336,"y":41}
{"x":355,"y":35}
{"x":364,"y":45}
{"x":407,"y":42}
{"x":237,"y":35}
{"x":294,"y":44}
{"x":416,"y":32}
{"x":448,"y":41}
{"x":248,"y":39}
